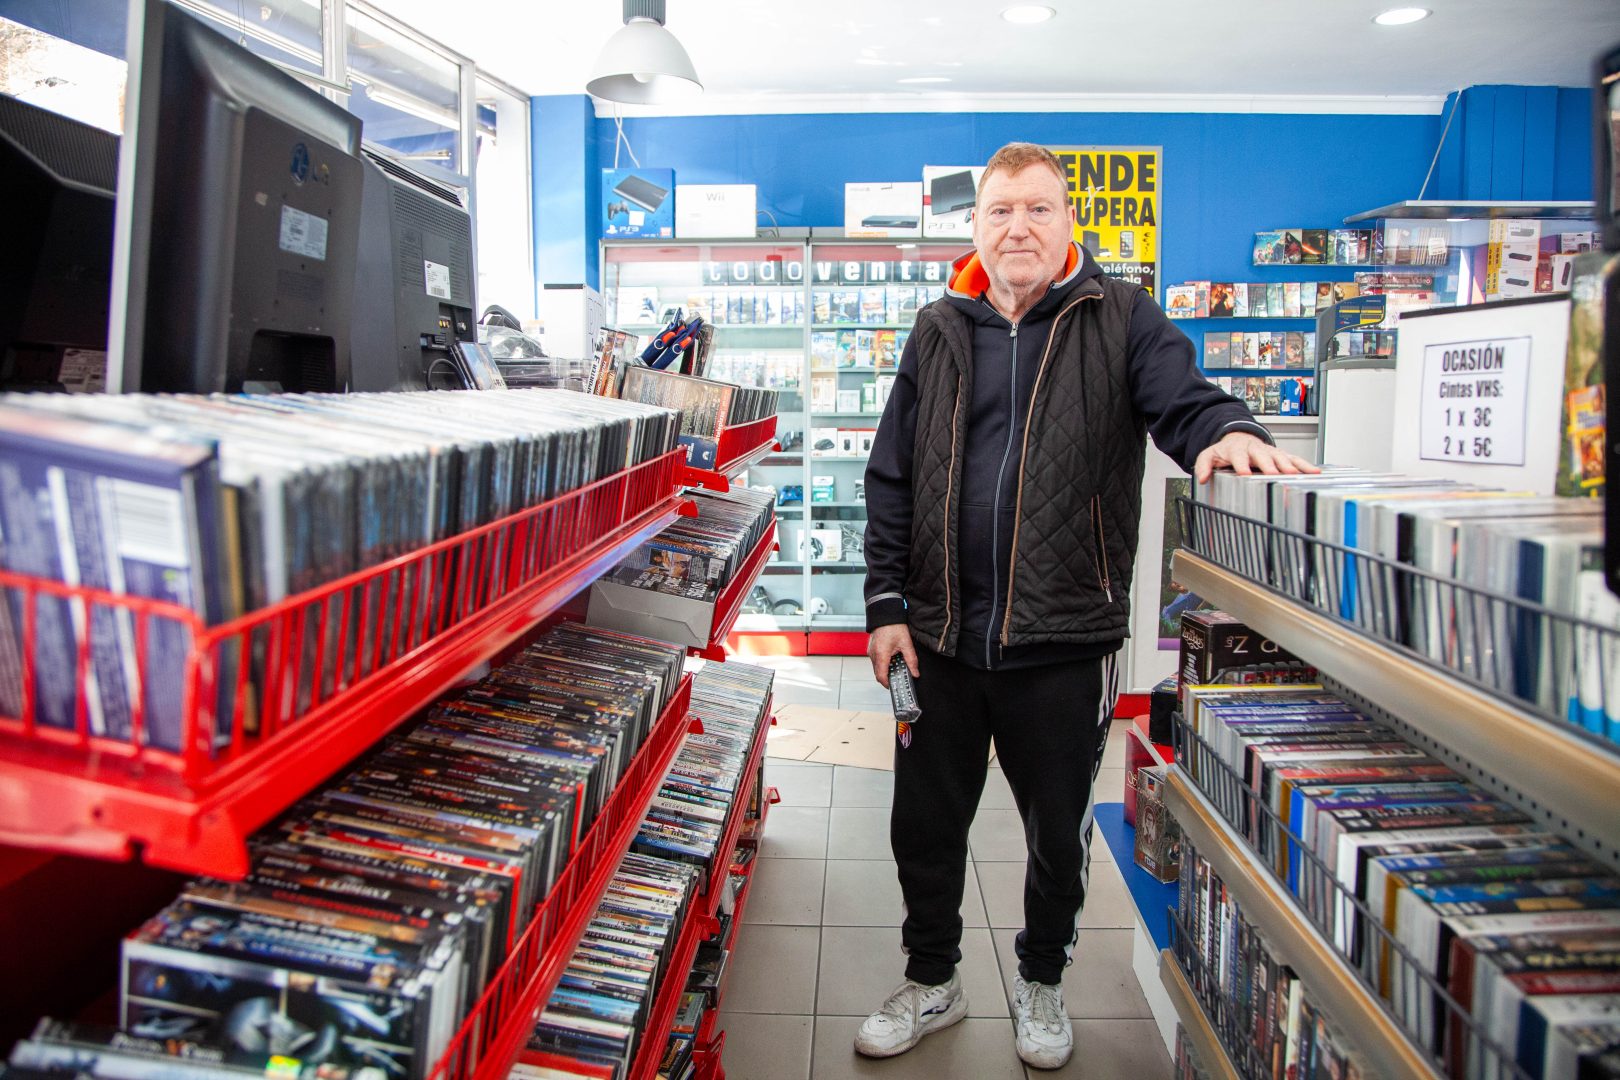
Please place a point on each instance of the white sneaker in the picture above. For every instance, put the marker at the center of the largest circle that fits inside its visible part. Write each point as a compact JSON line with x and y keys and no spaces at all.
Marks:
{"x":1045,"y":1035}
{"x":912,"y":1011}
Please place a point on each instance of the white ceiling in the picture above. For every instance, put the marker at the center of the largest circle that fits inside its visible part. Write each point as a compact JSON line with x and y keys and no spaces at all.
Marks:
{"x":831,"y":55}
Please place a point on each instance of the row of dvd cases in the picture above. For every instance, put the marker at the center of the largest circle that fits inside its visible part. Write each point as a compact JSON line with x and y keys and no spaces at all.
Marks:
{"x":1560,"y":776}
{"x":268,"y":704}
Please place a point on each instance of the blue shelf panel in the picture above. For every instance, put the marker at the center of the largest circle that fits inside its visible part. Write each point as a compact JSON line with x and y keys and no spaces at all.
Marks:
{"x":1153,"y":899}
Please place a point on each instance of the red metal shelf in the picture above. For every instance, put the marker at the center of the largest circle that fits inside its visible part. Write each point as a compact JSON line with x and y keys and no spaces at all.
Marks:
{"x":650,"y":1047}
{"x":498,"y":1028}
{"x":739,"y":447}
{"x":729,"y":604}
{"x":247,"y":749}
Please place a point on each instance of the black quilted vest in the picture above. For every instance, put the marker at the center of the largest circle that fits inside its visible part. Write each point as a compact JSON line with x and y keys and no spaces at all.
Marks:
{"x":1080,"y":478}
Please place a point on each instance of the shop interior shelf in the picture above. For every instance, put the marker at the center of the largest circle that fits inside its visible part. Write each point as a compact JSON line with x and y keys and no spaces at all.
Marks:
{"x":1381,"y":1041}
{"x":216,"y":747}
{"x":497,"y":1029}
{"x":1206,"y":1043}
{"x":740,"y":447}
{"x":729,"y":604}
{"x":1563,"y":769}
{"x":701,"y":923}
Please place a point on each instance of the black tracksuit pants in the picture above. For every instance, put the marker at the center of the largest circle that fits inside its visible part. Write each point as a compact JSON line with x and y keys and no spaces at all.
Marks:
{"x":1049,"y":724}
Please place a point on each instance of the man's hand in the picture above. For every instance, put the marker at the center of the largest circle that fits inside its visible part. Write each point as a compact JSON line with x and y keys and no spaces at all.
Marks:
{"x":1248,"y":454}
{"x":885,"y":642}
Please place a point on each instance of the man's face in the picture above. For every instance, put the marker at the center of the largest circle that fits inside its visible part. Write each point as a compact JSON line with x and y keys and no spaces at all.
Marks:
{"x":1022,"y":228}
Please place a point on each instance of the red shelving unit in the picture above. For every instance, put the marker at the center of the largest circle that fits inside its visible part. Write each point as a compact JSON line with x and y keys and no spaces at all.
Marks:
{"x":709,"y":1044}
{"x":700,"y":924}
{"x":729,"y":604}
{"x":739,"y":447}
{"x":340,"y":664}
{"x":496,"y":1030}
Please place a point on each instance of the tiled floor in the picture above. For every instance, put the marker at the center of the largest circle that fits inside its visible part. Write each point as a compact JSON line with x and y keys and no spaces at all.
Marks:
{"x":820,"y":943}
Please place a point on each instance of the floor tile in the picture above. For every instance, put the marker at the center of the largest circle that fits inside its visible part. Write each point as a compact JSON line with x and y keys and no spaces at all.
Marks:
{"x":996,"y":836}
{"x":862,"y":787}
{"x":799,"y":784}
{"x":795,"y":832}
{"x":786,"y":892}
{"x":861,"y":965}
{"x":1110,"y":785}
{"x":866,"y":892}
{"x":1113,"y":1050}
{"x":773,"y":969}
{"x":1114,"y":751}
{"x":796,"y":693}
{"x":981,"y":1049}
{"x":1099,"y":985}
{"x":863,"y":694}
{"x":857,"y":667}
{"x":761,"y":1047}
{"x":857,"y":832}
{"x":1002,"y":885}
{"x":997,"y":795}
{"x":1108,"y":904}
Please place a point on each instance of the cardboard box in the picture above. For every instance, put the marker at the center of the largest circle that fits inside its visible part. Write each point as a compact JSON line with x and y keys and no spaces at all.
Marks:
{"x":883,"y":210}
{"x":1158,"y":837}
{"x":617,"y":606}
{"x":638,"y":203}
{"x":727,"y":211}
{"x":1141,"y":752}
{"x":948,"y":194}
{"x":1218,"y":648}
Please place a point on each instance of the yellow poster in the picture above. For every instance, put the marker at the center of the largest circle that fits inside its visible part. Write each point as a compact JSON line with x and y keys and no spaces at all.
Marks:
{"x":1116,"y":197}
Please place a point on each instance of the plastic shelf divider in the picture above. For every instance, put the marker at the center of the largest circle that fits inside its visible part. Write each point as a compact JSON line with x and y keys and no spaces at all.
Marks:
{"x":1206,"y":1043}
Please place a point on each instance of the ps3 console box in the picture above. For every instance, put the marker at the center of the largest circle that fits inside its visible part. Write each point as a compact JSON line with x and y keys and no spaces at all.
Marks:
{"x":638,"y":203}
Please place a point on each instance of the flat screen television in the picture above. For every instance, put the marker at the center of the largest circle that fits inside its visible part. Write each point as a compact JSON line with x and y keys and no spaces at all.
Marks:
{"x":238,"y":219}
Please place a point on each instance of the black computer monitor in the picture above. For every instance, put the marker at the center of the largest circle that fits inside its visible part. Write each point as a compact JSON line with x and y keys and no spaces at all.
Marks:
{"x":238,"y":219}
{"x":56,"y":267}
{"x":416,"y":280}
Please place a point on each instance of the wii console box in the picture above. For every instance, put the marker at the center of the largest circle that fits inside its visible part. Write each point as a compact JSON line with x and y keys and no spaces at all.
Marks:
{"x":883,"y":210}
{"x":639,"y":203}
{"x":948,"y":194}
{"x":715,"y":211}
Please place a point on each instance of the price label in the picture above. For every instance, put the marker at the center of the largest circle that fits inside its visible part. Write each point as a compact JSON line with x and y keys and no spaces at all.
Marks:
{"x":1475,"y":398}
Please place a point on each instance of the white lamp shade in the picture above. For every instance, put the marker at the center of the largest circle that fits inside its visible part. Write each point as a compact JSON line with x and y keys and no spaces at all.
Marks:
{"x":641,"y":64}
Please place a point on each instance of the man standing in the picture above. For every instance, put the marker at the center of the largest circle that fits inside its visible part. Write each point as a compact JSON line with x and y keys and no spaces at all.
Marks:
{"x":1003,"y":496}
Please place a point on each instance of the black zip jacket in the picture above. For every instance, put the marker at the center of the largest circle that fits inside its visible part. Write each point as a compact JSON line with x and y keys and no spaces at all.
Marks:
{"x":1183,"y":412}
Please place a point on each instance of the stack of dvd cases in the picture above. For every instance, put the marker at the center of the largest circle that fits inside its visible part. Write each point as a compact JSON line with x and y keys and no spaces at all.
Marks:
{"x":378,"y":908}
{"x":697,"y":557}
{"x":706,"y":406}
{"x":223,"y":505}
{"x":1483,"y":563}
{"x":1266,"y":1017}
{"x":605,"y":998}
{"x":1422,"y":880}
{"x":689,"y":815}
{"x":60,"y":1049}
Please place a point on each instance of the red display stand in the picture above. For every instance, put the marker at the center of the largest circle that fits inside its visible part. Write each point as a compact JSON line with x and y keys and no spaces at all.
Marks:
{"x":740,"y":447}
{"x":341,"y":665}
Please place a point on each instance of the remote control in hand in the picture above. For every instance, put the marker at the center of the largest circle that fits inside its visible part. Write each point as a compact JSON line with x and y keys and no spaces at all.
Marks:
{"x":902,"y":692}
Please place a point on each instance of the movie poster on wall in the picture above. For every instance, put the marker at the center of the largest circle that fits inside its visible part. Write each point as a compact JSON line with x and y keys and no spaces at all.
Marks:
{"x":1117,"y":198}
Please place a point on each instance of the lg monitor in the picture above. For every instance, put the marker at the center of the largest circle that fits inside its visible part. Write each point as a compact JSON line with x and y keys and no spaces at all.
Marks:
{"x":415,"y":283}
{"x":60,"y":176}
{"x":238,"y":219}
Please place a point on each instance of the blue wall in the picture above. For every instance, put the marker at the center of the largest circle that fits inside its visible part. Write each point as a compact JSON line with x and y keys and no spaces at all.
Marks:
{"x":1516,"y":142}
{"x":1225,"y":175}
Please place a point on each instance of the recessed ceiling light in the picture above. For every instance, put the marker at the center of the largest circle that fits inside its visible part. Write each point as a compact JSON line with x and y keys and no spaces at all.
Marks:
{"x":1401,"y":16}
{"x":917,"y":80}
{"x":1027,"y":14}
